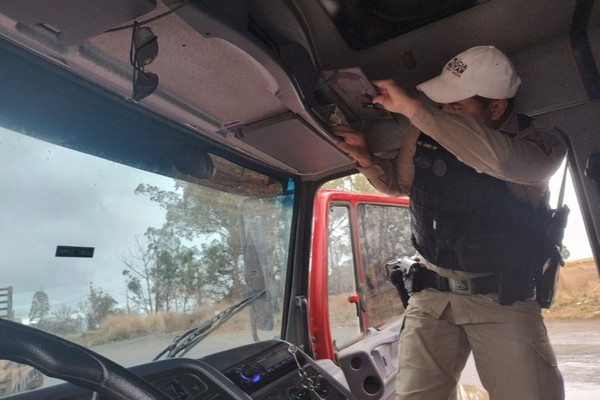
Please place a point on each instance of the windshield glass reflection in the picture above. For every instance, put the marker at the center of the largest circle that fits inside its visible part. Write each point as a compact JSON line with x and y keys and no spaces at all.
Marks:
{"x":146,"y":257}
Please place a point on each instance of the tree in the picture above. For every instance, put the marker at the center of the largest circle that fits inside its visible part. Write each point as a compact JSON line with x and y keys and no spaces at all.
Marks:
{"x":192,"y":280}
{"x":98,"y":306}
{"x":220,"y":269}
{"x":66,"y":321}
{"x":351,"y":183}
{"x":138,"y":275}
{"x":198,"y":212}
{"x":228,"y":249}
{"x":163,"y":274}
{"x":40,"y":307}
{"x":240,"y":246}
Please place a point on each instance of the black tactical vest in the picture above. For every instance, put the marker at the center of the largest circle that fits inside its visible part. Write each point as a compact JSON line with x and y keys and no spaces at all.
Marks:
{"x":465,"y":220}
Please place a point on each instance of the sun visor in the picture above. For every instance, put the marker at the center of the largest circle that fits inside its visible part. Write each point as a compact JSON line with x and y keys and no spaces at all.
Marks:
{"x":74,"y":21}
{"x":292,"y":141}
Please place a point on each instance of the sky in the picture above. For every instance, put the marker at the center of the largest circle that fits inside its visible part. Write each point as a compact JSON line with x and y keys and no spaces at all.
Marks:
{"x":70,"y":200}
{"x":575,"y":238}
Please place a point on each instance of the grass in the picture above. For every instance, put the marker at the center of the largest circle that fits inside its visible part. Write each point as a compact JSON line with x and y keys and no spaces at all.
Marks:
{"x":129,"y":326}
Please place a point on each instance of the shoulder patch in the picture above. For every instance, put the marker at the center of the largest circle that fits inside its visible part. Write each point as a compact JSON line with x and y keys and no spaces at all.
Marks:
{"x":544,"y":140}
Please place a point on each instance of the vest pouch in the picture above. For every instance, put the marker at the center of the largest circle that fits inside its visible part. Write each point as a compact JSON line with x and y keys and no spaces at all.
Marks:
{"x":444,"y":237}
{"x":444,"y":233}
{"x":489,"y":252}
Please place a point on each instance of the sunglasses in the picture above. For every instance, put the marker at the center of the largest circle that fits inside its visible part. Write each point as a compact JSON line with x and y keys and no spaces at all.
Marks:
{"x":144,"y":49}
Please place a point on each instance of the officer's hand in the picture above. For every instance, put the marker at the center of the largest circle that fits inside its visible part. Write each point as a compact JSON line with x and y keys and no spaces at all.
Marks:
{"x":395,"y":99}
{"x":354,"y":144}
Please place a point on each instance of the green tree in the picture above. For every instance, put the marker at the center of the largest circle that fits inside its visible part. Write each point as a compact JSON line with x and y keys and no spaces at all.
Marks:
{"x":234,"y":255}
{"x":163,"y":275}
{"x":219,"y":266}
{"x":192,"y":279}
{"x":199,"y":212}
{"x":98,"y":306}
{"x":40,"y":307}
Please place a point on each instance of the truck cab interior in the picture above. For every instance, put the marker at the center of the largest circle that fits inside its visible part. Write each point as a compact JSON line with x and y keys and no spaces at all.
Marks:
{"x":236,"y":97}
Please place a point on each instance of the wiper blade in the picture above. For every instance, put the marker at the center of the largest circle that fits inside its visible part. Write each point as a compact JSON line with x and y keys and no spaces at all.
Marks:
{"x":184,"y":343}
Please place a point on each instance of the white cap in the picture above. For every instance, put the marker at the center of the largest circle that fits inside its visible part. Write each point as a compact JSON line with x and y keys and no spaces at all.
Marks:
{"x":483,"y":71}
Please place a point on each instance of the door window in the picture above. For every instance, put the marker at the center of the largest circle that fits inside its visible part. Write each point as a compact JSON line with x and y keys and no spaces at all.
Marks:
{"x":343,"y":315}
{"x":384,"y":234}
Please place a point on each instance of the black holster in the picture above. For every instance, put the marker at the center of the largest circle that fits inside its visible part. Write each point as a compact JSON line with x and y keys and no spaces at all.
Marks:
{"x":407,"y":274}
{"x":546,"y":278}
{"x":515,"y":284}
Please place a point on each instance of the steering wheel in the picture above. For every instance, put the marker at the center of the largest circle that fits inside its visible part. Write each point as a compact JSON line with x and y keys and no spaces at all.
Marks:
{"x":59,"y":358}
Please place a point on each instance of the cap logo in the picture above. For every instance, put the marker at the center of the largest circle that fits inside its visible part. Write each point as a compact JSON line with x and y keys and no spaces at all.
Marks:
{"x":456,"y":66}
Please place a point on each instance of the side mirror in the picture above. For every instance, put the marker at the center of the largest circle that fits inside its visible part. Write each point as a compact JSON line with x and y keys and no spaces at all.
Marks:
{"x":193,"y":163}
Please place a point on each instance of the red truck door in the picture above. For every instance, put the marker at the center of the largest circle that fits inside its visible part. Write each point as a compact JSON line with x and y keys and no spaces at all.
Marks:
{"x":355,"y":312}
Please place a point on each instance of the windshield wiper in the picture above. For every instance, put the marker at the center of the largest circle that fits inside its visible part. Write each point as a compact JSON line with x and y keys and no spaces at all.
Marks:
{"x":184,"y":343}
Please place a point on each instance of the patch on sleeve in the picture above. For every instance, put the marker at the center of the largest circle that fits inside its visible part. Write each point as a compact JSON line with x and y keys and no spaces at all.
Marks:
{"x":544,"y":140}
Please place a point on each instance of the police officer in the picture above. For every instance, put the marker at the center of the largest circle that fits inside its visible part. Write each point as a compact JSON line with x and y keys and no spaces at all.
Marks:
{"x":477,"y":182}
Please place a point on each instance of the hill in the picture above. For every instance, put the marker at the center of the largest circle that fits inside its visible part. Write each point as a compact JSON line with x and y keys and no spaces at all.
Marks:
{"x":578,"y":292}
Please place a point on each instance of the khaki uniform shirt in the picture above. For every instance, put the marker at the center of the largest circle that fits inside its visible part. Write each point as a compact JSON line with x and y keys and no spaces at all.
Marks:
{"x":526,"y":159}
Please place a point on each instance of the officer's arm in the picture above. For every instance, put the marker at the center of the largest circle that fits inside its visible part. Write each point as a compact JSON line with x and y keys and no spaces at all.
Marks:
{"x":394,"y":177}
{"x":530,"y":158}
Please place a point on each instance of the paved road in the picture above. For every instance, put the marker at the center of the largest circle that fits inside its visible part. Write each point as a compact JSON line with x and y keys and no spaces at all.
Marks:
{"x":577,"y":345}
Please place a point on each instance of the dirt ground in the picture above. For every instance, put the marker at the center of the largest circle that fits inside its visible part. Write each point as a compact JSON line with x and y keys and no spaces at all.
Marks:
{"x":578,"y":292}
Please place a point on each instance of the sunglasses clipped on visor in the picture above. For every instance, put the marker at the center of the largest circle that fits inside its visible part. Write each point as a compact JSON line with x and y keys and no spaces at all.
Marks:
{"x":144,"y":49}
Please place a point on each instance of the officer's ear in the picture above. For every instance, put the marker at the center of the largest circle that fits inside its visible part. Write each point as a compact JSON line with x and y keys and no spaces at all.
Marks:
{"x":497,"y":109}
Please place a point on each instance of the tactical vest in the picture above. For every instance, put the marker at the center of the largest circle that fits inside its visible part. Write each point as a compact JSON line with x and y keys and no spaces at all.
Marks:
{"x":466,"y":220}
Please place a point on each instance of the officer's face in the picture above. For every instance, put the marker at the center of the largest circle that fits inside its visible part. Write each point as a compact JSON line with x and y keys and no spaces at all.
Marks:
{"x":484,"y":112}
{"x":469,"y":106}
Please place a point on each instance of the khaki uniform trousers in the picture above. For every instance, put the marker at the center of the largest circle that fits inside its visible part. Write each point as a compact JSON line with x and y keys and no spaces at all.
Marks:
{"x":511,"y":349}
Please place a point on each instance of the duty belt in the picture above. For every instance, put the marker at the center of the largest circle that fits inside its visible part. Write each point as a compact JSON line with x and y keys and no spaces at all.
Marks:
{"x":486,"y":284}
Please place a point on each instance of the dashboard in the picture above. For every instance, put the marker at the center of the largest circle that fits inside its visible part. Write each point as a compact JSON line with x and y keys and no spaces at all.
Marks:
{"x":270,"y":370}
{"x":277,"y":370}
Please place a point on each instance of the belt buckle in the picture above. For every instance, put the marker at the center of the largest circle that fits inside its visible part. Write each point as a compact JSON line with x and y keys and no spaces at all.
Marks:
{"x":459,"y":286}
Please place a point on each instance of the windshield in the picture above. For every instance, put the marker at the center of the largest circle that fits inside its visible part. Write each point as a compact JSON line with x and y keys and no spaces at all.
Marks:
{"x":125,"y":256}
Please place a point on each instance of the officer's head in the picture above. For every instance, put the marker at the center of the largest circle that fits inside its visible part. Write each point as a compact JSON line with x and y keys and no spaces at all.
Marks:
{"x":480,"y":82}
